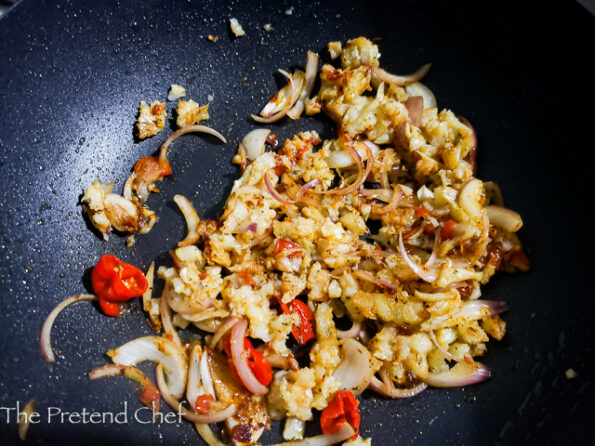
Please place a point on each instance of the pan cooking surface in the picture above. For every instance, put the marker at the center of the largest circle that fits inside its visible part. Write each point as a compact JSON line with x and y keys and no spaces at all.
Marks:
{"x":71,"y":76}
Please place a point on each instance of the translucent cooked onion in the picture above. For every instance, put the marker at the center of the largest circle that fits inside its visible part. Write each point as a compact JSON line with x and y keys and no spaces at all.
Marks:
{"x":192,"y":220}
{"x":172,"y":401}
{"x":504,"y":218}
{"x":362,"y":173}
{"x":392,"y":204}
{"x":240,"y":360}
{"x":424,"y":272}
{"x":419,"y":89}
{"x":345,"y":432}
{"x":189,"y":129}
{"x":379,"y":387}
{"x":195,"y":388}
{"x":378,"y":75}
{"x":354,"y":372}
{"x":462,"y":374}
{"x":254,"y":143}
{"x":222,"y":330}
{"x":25,"y":418}
{"x":276,"y":195}
{"x":207,"y":434}
{"x":294,"y":429}
{"x":415,"y":108}
{"x":168,"y":326}
{"x":351,"y":333}
{"x":311,"y":71}
{"x":46,"y":331}
{"x":150,"y":395}
{"x":160,"y":350}
{"x":366,"y":275}
{"x":286,"y":107}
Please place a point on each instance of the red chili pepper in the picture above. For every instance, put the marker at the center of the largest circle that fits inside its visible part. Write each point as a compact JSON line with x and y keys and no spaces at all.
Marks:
{"x":246,"y":276}
{"x":289,"y":248}
{"x":421,"y":211}
{"x":203,"y":403}
{"x":343,"y":408}
{"x":152,"y":168}
{"x":304,"y":332}
{"x":448,"y":230}
{"x":115,"y":282}
{"x":259,"y":365}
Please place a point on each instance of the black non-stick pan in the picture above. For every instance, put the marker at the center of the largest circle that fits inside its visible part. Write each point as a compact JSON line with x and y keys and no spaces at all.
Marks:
{"x":71,"y":76}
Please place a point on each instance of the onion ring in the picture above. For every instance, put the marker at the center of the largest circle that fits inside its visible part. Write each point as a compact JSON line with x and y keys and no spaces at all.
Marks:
{"x":46,"y":330}
{"x":345,"y":432}
{"x":273,"y":192}
{"x":285,"y":108}
{"x":378,"y":74}
{"x":192,"y":220}
{"x":380,"y":387}
{"x":423,"y":272}
{"x":189,"y":129}
{"x":238,"y":355}
{"x":311,"y":71}
{"x":172,"y":402}
{"x":362,"y":173}
{"x":462,"y":374}
{"x":223,"y":328}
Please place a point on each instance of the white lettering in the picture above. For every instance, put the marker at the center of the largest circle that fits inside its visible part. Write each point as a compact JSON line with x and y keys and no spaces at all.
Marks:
{"x":52,"y":411}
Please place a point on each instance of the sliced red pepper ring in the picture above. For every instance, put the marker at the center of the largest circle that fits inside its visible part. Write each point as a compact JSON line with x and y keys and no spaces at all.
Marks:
{"x":343,"y":408}
{"x":115,"y":282}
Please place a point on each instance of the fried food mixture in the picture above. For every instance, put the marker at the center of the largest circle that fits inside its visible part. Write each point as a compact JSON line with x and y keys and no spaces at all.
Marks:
{"x":340,"y":265}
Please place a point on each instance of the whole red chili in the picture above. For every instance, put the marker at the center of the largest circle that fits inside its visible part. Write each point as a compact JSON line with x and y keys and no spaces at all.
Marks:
{"x":115,"y":282}
{"x":342,"y":409}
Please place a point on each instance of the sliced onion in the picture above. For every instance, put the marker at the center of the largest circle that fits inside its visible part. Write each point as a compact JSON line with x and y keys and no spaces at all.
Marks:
{"x":127,"y":190}
{"x":146,"y":297}
{"x":306,"y":187}
{"x":194,"y":388}
{"x":168,"y":326}
{"x":504,"y":218}
{"x":254,"y":143}
{"x":150,"y":395}
{"x":339,"y":159}
{"x":392,"y":204}
{"x":381,"y":388}
{"x":344,"y":433}
{"x":25,"y":418}
{"x":415,"y":107}
{"x":285,"y":108}
{"x":442,"y":350}
{"x":432,"y":259}
{"x":478,"y":308}
{"x":189,"y":129}
{"x":240,"y":360}
{"x":273,"y":192}
{"x":419,"y":89}
{"x":351,"y":333}
{"x":365,"y":275}
{"x":222,"y":330}
{"x":470,"y":198}
{"x":311,"y":71}
{"x":205,"y":374}
{"x":424,"y":272}
{"x":192,"y":220}
{"x":354,"y":372}
{"x":462,"y":374}
{"x":156,"y":349}
{"x":207,"y":435}
{"x":46,"y":330}
{"x":362,"y":175}
{"x":172,"y":401}
{"x":378,"y":74}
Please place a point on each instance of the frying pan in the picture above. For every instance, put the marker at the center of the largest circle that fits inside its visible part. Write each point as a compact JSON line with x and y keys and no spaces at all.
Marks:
{"x":71,"y":76}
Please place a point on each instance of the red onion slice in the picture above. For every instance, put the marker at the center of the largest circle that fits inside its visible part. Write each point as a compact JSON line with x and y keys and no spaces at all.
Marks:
{"x":150,"y":395}
{"x":362,"y":175}
{"x":415,"y":107}
{"x":432,"y":259}
{"x":351,"y":333}
{"x":365,"y":275}
{"x":273,"y":192}
{"x":442,"y":350}
{"x":311,"y":70}
{"x":240,"y":360}
{"x":156,"y":349}
{"x":345,"y":432}
{"x":223,"y":328}
{"x":424,"y":272}
{"x":190,"y":129}
{"x":46,"y":330}
{"x":214,"y":417}
{"x":378,"y":74}
{"x":285,"y":108}
{"x":462,"y":374}
{"x":304,"y":189}
{"x":381,"y":388}
{"x":194,"y":387}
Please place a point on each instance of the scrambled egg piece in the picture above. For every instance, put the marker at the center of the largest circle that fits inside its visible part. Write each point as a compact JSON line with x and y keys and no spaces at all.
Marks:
{"x":189,"y":113}
{"x":151,"y":119}
{"x":176,"y":92}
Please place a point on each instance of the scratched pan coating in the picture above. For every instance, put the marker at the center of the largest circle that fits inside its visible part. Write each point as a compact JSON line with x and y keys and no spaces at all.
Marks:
{"x":71,"y":76}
